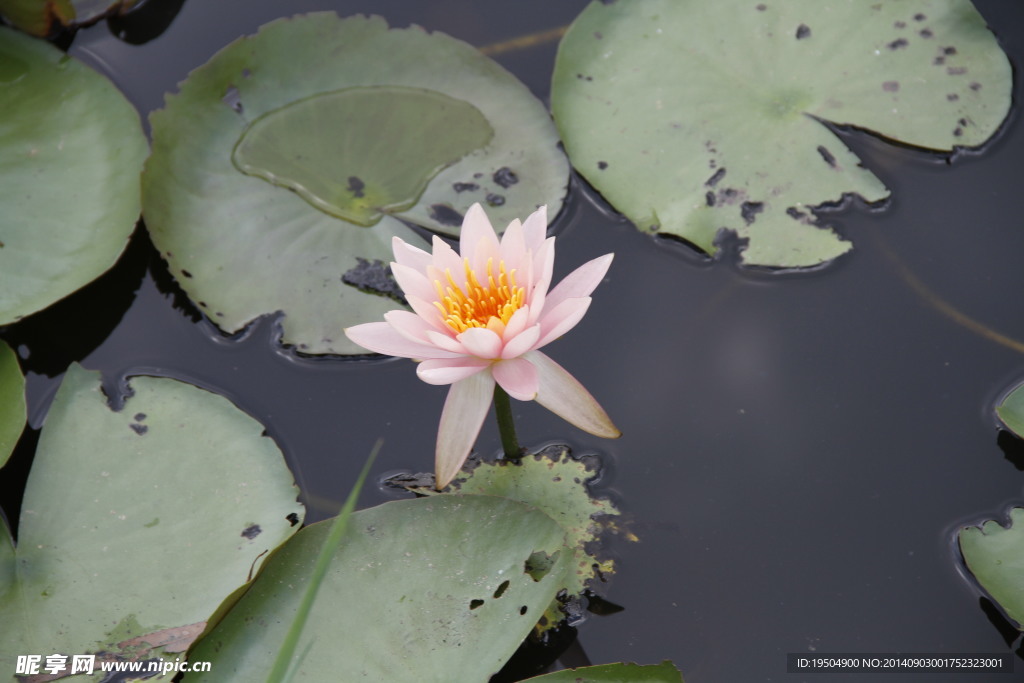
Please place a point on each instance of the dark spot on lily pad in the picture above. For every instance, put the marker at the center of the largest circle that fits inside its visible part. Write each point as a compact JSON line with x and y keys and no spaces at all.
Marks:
{"x":827,"y":156}
{"x":761,"y":8}
{"x":952,"y":97}
{"x":473,"y":604}
{"x":795,"y":213}
{"x":356,"y":186}
{"x":897,"y":44}
{"x":139,"y":417}
{"x":803,"y":31}
{"x":925,"y":33}
{"x":949,"y":50}
{"x":232,"y":98}
{"x":374,"y":277}
{"x":139,"y":429}
{"x":975,"y":86}
{"x":749,"y":211}
{"x":465,"y":187}
{"x":602,"y":165}
{"x":919,"y":17}
{"x":956,"y":70}
{"x":292,"y":518}
{"x":958,"y":131}
{"x":713,"y":180}
{"x":445,"y":215}
{"x":252,"y":531}
{"x":505,"y":177}
{"x":891,"y":86}
{"x":501,"y":589}
{"x":495,"y":199}
{"x":709,"y":198}
{"x":186,"y":273}
{"x":900,"y":24}
{"x":522,"y":610}
{"x":939,"y":61}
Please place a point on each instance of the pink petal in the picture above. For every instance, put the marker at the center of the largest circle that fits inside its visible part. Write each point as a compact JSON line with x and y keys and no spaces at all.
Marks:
{"x":521,"y":343}
{"x":580,"y":282}
{"x":381,"y":337}
{"x":447,"y":259}
{"x":559,"y":392}
{"x":448,"y":370}
{"x":411,"y":256}
{"x":464,"y":412}
{"x":481,"y":342}
{"x":517,"y":323}
{"x":477,"y":240}
{"x":446,"y":342}
{"x":518,"y":377}
{"x":410,"y":326}
{"x":427,"y":310}
{"x":535,"y":228}
{"x":413,"y":282}
{"x":562,"y":318}
{"x":543,"y":267}
{"x":513,"y":244}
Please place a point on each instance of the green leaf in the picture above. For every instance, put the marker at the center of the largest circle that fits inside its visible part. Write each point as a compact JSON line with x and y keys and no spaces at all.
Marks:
{"x":343,"y":93}
{"x":1011,"y":411}
{"x":46,"y":17}
{"x":615,"y":673}
{"x":12,"y":402}
{"x":349,"y":173}
{"x":432,"y":589}
{"x":995,"y":555}
{"x":690,"y":116}
{"x":71,"y":149}
{"x":555,"y":483}
{"x":137,"y":522}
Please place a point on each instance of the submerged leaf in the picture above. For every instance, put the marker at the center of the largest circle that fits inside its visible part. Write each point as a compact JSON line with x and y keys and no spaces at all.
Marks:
{"x":71,"y":148}
{"x":691,"y":117}
{"x":614,"y":673}
{"x":432,"y":589}
{"x":995,"y":555}
{"x":554,"y":482}
{"x":1011,"y":411}
{"x":12,"y":401}
{"x":393,"y":126}
{"x":136,"y":523}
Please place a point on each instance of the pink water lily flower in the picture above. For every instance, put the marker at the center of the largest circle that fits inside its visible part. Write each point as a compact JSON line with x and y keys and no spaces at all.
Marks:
{"x":479,"y":317}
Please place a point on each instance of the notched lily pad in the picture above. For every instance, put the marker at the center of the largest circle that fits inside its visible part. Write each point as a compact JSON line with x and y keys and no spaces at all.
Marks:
{"x":693,"y":117}
{"x":432,"y":589}
{"x":12,"y":401}
{"x":557,"y":484}
{"x":71,"y":148}
{"x":1011,"y":411}
{"x":371,"y":128}
{"x":130,"y":538}
{"x":351,"y":173}
{"x":995,"y":555}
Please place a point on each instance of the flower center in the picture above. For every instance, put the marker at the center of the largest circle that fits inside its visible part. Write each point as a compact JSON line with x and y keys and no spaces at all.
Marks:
{"x":479,"y":304}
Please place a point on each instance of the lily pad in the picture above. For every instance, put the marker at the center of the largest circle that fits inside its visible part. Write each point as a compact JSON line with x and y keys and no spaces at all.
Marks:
{"x":46,"y":17}
{"x":692,"y":117}
{"x":614,"y":673}
{"x":12,"y":401}
{"x":1011,"y":411}
{"x":556,"y":483}
{"x":71,"y":149}
{"x":995,"y":555}
{"x":432,"y":589}
{"x":137,"y":522}
{"x":393,"y":126}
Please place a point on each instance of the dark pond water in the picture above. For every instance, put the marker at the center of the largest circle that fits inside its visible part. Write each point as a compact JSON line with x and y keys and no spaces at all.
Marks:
{"x":799,"y":449}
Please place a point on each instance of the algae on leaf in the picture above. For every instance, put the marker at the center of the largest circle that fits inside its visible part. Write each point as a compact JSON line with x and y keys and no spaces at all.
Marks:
{"x":138,"y":521}
{"x":296,"y":155}
{"x":692,"y":117}
{"x":71,"y":149}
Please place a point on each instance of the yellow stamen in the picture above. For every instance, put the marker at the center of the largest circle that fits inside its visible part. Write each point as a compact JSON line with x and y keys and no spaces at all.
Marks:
{"x":479,"y":305}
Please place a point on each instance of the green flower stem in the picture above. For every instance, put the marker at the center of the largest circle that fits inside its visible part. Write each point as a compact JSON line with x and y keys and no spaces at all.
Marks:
{"x":506,"y":426}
